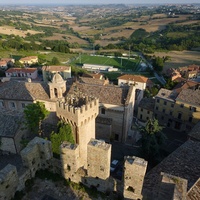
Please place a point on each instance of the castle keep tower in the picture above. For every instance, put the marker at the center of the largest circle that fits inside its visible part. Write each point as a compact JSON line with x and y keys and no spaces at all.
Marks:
{"x":80,"y":111}
{"x":134,"y":172}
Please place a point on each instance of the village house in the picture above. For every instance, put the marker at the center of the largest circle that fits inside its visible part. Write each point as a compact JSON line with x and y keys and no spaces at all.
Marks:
{"x":173,"y":73}
{"x":180,"y":111}
{"x":3,"y":65}
{"x":146,"y":109}
{"x":139,"y":82}
{"x":49,"y":71}
{"x":22,"y":72}
{"x":190,"y":72}
{"x":29,"y":60}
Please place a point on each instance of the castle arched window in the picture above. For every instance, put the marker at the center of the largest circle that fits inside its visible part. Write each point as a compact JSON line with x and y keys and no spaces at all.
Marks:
{"x":56,"y":92}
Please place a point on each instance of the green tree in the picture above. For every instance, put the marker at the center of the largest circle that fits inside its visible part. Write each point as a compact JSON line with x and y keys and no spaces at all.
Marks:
{"x":64,"y":134}
{"x":18,"y":64}
{"x":55,"y":61}
{"x":158,"y":64}
{"x":34,"y":114}
{"x":152,"y":140}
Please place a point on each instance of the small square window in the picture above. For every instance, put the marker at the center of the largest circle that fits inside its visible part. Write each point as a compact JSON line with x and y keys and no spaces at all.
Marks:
{"x":165,"y":103}
{"x":179,"y":115}
{"x":190,"y":119}
{"x":182,"y":105}
{"x":158,"y":100}
{"x":163,"y":110}
{"x":156,"y":107}
{"x":12,"y":104}
{"x":172,"y":105}
{"x":23,"y":105}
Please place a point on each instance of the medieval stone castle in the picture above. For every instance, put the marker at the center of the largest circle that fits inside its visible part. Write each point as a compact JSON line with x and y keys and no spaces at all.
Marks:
{"x":88,"y":160}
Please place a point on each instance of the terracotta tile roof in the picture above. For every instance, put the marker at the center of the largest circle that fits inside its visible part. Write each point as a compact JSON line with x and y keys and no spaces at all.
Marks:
{"x":194,"y":192}
{"x":96,"y":75}
{"x":53,"y":68}
{"x":3,"y":63}
{"x":179,"y":79}
{"x":186,"y":84}
{"x":7,"y":59}
{"x":167,"y":94}
{"x":107,"y":94}
{"x":190,"y":96}
{"x":9,"y":123}
{"x":195,"y":132}
{"x":92,"y":81}
{"x":136,"y":78}
{"x":29,"y":58}
{"x":17,"y":90}
{"x":184,"y":162}
{"x":147,"y":103}
{"x":24,"y":70}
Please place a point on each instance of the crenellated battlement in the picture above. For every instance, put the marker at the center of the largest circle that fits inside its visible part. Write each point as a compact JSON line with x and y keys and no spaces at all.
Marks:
{"x":78,"y":109}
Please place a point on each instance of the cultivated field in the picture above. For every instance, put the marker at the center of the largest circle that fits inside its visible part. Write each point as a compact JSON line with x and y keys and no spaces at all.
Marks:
{"x":8,"y":30}
{"x":180,"y":58}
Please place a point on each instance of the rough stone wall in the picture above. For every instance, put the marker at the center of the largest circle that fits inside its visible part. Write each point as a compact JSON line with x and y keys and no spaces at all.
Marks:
{"x":135,"y":169}
{"x":98,"y":159}
{"x":8,"y":182}
{"x":36,"y":154}
{"x":69,"y":159}
{"x":8,"y":145}
{"x":171,"y":187}
{"x":103,"y":131}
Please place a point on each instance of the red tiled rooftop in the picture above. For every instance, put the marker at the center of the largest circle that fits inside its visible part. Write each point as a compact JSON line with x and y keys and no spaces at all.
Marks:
{"x":23,"y":70}
{"x":136,"y":78}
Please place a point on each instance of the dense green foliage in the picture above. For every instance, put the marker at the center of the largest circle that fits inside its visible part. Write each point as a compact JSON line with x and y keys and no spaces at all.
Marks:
{"x":64,"y":134}
{"x":152,"y":140}
{"x":34,"y":114}
{"x":166,"y":39}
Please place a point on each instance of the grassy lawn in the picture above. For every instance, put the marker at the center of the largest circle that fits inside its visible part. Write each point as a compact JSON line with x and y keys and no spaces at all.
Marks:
{"x":110,"y":61}
{"x":45,"y":55}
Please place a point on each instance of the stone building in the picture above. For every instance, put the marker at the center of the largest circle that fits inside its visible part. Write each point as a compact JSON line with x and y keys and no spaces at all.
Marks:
{"x":180,"y":111}
{"x":146,"y":109}
{"x":139,"y":82}
{"x":29,"y":60}
{"x":12,"y":132}
{"x":22,"y":72}
{"x":49,"y":71}
{"x":116,"y":106}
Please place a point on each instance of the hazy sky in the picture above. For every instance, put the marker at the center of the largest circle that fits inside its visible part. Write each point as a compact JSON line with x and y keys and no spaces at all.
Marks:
{"x":95,"y":1}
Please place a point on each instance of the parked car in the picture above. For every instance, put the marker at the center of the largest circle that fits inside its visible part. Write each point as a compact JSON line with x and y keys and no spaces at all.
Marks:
{"x":113,"y":165}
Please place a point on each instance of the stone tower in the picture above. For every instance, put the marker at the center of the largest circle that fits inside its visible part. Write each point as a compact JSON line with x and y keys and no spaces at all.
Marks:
{"x":57,"y":87}
{"x":80,"y":112}
{"x":70,"y":160}
{"x":134,"y":172}
{"x":99,"y":154}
